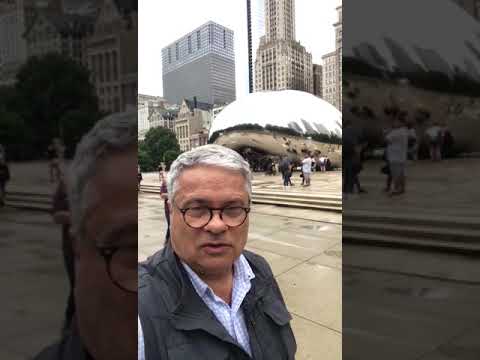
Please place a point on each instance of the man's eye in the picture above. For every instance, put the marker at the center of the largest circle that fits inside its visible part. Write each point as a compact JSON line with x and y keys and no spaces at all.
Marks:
{"x":197,"y":211}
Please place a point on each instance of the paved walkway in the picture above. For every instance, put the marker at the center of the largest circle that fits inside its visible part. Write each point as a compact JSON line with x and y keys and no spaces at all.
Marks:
{"x":449,"y":187}
{"x":34,"y":283}
{"x":304,"y":250}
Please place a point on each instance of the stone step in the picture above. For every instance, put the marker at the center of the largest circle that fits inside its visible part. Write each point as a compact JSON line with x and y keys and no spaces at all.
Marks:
{"x":412,"y":219}
{"x":435,"y":233}
{"x":298,"y":195}
{"x":28,"y":205}
{"x":288,"y":199}
{"x":312,"y":206}
{"x":366,"y":238}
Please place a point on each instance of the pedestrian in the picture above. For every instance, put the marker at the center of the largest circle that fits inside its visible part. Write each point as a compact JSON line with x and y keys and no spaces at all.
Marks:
{"x":4,"y":179}
{"x":139,"y":177}
{"x":306,"y":169}
{"x":204,"y":293}
{"x":290,"y":172}
{"x":447,"y":143}
{"x":397,"y":148}
{"x":434,"y":135}
{"x":358,"y":165}
{"x":61,"y":216}
{"x":55,"y":153}
{"x":323,"y":163}
{"x":164,"y":196}
{"x":284,"y":168}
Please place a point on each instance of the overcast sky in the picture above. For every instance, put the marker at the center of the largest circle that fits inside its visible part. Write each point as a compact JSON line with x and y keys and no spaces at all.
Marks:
{"x":162,"y":22}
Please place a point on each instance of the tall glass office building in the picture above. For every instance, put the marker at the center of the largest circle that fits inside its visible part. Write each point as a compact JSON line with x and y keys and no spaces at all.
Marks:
{"x":200,"y":64}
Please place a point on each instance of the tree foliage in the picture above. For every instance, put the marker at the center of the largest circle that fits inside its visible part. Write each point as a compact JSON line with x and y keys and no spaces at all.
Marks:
{"x":55,"y":98}
{"x":160,"y":145}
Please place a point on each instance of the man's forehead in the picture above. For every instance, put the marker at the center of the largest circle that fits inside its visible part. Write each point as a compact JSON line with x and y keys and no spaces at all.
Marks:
{"x":206,"y":180}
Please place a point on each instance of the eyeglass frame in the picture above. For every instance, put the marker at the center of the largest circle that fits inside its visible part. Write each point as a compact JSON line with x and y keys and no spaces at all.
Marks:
{"x":184,"y":210}
{"x":107,"y":252}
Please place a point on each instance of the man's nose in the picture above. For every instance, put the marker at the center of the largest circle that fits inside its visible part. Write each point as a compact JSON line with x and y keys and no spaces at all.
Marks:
{"x":216,"y":224}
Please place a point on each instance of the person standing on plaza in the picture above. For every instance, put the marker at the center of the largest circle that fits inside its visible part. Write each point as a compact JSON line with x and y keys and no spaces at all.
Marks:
{"x":204,"y":286}
{"x":164,"y":196}
{"x":323,"y":163}
{"x":434,"y":134}
{"x":139,"y":177}
{"x":397,"y":148}
{"x":284,"y":168}
{"x":4,"y":178}
{"x":307,"y":169}
{"x":55,"y":153}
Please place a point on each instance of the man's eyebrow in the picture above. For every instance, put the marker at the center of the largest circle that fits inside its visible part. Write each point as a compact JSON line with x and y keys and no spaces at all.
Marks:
{"x":195,"y":200}
{"x":204,"y":202}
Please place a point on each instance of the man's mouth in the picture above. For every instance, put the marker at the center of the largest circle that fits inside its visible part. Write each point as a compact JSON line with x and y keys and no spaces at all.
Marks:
{"x":215,"y":248}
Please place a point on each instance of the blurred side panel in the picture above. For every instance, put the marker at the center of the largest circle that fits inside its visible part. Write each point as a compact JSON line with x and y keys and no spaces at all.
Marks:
{"x":68,"y":126}
{"x":411,"y":110}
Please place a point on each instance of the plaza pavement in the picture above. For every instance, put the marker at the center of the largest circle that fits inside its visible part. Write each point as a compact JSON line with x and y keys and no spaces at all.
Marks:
{"x":34,"y":283}
{"x":304,"y":250}
{"x":449,"y":187}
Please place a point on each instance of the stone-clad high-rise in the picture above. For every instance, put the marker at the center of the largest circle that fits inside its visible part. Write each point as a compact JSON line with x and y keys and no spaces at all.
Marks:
{"x":282,"y":62}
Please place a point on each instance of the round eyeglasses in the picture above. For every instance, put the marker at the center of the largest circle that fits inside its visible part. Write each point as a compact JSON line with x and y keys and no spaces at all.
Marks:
{"x":198,"y":217}
{"x":121,"y":264}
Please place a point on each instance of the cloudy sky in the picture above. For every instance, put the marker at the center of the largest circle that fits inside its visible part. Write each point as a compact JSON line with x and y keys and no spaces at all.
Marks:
{"x":162,"y":22}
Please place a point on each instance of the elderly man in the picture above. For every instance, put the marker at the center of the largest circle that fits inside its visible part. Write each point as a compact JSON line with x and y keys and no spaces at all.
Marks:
{"x":203,"y":296}
{"x":104,"y":229}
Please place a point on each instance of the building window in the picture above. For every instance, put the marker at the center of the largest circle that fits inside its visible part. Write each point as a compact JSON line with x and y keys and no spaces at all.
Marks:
{"x":199,"y":42}
{"x":177,"y":51}
{"x":169,"y":55}
{"x":107,"y":67}
{"x":115,"y":68}
{"x":224,"y":38}
{"x":210,"y":34}
{"x":189,"y":44}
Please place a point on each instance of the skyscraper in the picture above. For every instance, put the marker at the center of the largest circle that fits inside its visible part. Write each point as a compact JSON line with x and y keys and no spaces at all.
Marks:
{"x":200,"y":64}
{"x":332,"y":67}
{"x":317,"y":80}
{"x":282,"y":62}
{"x":12,"y":44}
{"x":256,"y":29}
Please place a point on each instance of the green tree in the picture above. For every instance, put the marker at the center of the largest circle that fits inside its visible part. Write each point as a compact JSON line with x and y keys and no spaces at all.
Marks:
{"x":144,"y":159}
{"x":15,"y":135}
{"x":51,"y":91}
{"x":160,"y":145}
{"x":170,"y":156}
{"x":75,"y":124}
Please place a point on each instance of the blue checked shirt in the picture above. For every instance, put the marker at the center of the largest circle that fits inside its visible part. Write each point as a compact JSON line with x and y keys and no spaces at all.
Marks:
{"x":230,"y":316}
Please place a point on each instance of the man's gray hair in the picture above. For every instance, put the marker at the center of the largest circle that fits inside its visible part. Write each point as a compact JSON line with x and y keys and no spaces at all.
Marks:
{"x":209,"y":155}
{"x":112,"y":134}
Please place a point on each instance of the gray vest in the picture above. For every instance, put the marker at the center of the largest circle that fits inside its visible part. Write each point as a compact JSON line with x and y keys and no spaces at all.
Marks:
{"x":177,"y":325}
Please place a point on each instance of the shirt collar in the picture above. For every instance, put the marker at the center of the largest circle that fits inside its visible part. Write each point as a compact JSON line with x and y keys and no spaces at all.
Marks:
{"x":242,"y":272}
